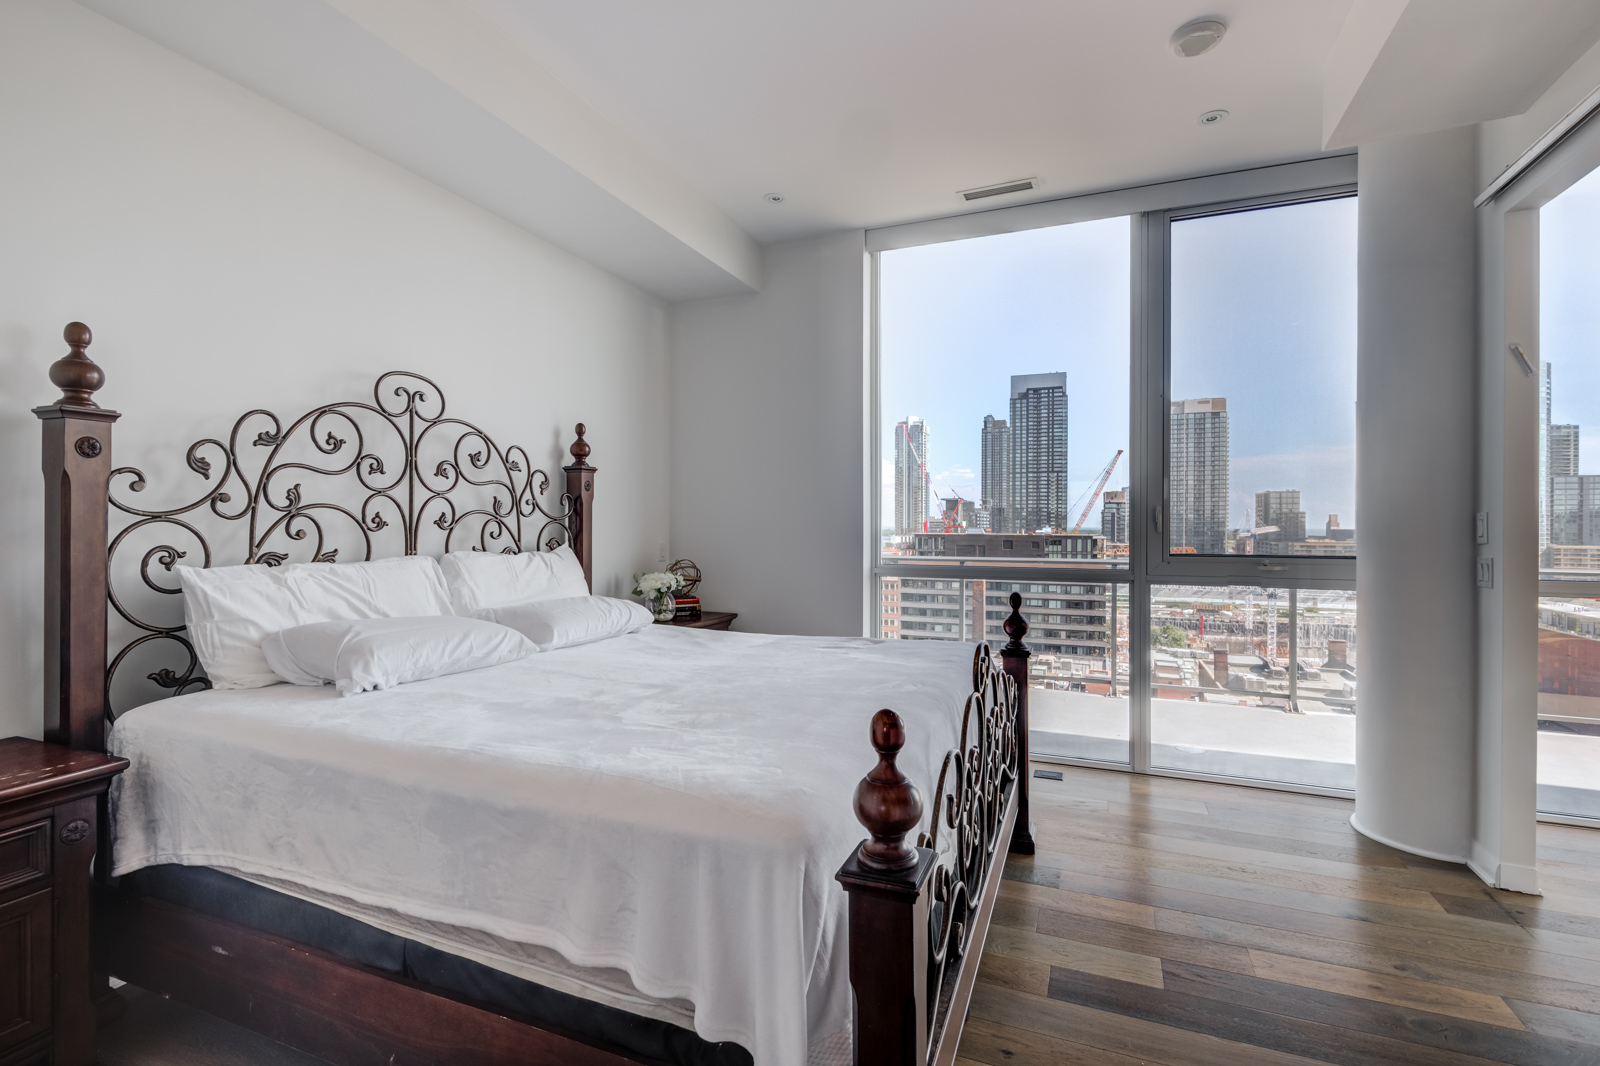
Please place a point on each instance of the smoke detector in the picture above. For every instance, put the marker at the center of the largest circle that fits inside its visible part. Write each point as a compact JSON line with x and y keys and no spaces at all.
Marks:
{"x":1197,"y":37}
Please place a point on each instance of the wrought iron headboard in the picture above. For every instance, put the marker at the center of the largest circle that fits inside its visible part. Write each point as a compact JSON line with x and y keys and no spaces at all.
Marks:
{"x":421,"y":481}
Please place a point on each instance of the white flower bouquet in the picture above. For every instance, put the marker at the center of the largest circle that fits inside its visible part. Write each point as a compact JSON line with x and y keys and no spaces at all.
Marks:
{"x":657,"y":589}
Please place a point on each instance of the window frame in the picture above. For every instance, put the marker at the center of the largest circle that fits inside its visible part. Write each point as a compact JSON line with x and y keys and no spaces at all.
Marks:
{"x":1510,"y":212}
{"x":1161,"y":566}
{"x":1151,"y":210}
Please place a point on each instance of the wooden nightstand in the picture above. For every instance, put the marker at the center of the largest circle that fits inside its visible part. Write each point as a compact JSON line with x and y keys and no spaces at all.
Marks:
{"x":49,"y":829}
{"x":706,"y":620}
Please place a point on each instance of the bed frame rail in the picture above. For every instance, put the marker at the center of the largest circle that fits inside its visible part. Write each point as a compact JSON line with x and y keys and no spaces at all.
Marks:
{"x":919,"y":915}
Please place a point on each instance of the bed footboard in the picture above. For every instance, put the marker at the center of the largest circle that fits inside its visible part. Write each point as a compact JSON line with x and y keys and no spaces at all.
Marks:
{"x":919,"y":915}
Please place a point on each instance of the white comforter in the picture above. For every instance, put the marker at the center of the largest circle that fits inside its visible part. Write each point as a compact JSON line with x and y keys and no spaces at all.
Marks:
{"x":672,"y":803}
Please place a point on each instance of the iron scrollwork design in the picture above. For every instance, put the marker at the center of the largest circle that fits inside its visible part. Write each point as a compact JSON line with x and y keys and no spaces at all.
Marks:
{"x":475,"y":493}
{"x":975,"y":784}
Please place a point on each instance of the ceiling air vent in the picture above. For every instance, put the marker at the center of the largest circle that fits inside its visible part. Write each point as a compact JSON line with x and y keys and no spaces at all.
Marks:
{"x":1003,"y":189}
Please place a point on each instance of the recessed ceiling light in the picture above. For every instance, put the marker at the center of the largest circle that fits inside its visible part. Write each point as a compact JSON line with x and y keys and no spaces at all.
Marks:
{"x":1211,"y":118}
{"x":1197,"y":37}
{"x":773,"y":198}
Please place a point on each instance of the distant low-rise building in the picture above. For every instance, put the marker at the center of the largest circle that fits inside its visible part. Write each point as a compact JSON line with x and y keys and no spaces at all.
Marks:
{"x":1080,"y":546}
{"x":1575,"y":556}
{"x":1280,"y":518}
{"x":889,"y":608}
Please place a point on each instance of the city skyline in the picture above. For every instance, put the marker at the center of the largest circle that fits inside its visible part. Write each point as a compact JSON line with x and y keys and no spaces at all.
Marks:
{"x":1199,"y":479}
{"x":1251,"y":290}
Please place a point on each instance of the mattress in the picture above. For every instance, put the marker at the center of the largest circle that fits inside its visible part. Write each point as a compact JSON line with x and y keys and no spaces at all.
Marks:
{"x":669,"y":806}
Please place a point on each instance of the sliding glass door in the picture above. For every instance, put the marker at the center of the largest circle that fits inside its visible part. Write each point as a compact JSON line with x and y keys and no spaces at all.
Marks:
{"x":1569,"y":503}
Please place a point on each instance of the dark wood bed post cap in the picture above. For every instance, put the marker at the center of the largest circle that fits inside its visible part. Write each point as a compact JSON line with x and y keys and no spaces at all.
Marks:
{"x":75,"y":374}
{"x":1016,"y":628}
{"x":580,"y":447}
{"x":887,"y":803}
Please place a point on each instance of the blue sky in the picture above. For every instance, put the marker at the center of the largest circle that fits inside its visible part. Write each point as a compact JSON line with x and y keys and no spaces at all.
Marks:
{"x":1569,"y":311}
{"x":1263,"y":314}
{"x":958,"y":319}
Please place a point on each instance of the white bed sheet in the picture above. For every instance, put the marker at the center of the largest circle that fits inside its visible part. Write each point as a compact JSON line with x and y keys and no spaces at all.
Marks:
{"x":672,"y":803}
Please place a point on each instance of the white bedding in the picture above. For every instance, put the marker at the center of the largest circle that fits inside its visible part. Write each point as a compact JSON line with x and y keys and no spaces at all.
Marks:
{"x":672,"y":803}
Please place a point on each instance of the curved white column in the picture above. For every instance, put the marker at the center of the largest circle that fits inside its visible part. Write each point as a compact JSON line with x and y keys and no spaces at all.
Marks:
{"x":1416,"y":418}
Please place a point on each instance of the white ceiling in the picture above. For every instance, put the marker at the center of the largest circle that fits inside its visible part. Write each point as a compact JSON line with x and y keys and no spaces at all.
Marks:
{"x":643,"y":135}
{"x":870,"y":113}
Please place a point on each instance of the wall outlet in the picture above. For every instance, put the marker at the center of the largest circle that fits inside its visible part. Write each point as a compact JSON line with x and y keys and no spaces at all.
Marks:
{"x":1486,"y":571}
{"x":1483,"y":527}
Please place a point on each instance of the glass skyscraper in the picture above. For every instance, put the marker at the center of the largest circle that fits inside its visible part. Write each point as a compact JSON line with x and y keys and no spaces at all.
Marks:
{"x":1039,"y":497}
{"x":1198,"y":471}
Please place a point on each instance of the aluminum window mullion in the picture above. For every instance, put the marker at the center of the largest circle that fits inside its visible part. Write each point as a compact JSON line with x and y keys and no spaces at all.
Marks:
{"x":1147,"y":330}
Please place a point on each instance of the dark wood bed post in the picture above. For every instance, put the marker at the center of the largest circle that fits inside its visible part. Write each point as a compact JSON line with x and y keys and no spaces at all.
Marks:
{"x":1015,"y":657}
{"x":580,"y":487}
{"x":885,"y":879}
{"x":76,"y":458}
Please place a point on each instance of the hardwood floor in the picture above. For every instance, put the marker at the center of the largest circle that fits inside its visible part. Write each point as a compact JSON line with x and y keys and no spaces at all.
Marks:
{"x":1186,"y":923}
{"x":1193,"y":924}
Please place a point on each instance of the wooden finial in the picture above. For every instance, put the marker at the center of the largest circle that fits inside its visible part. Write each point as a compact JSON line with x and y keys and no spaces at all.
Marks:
{"x":75,"y":374}
{"x":887,"y":803}
{"x":580,"y":447}
{"x":1016,"y":626}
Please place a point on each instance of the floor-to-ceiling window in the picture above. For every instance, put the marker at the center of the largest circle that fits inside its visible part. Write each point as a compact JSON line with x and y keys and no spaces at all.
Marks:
{"x":1003,"y":438}
{"x":1143,"y":426}
{"x":1569,"y":502}
{"x":1253,"y":650}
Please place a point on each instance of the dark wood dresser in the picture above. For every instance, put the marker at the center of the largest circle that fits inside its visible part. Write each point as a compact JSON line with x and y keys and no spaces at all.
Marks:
{"x":705,"y":620}
{"x":49,"y":829}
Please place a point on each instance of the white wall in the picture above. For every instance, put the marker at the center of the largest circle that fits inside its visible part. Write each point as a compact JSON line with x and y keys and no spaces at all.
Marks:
{"x":770,"y":442}
{"x":1502,"y":141}
{"x":229,"y":254}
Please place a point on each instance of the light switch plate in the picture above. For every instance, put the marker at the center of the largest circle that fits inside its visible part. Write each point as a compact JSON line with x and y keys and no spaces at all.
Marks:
{"x":1483,"y":527}
{"x":1486,"y":571}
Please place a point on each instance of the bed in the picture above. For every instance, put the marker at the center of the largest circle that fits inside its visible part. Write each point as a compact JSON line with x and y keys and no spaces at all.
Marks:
{"x":625,"y":851}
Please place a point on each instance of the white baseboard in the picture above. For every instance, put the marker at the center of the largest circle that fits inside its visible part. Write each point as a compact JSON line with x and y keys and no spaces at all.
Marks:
{"x":1503,"y":875}
{"x":1426,"y":854}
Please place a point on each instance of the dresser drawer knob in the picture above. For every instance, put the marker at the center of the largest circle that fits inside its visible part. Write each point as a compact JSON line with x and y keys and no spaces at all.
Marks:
{"x":74,"y":831}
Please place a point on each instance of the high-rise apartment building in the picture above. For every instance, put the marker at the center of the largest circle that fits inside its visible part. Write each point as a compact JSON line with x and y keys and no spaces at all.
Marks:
{"x":994,"y":489}
{"x":910,"y":477}
{"x":1281,"y":508}
{"x":1574,"y":509}
{"x":1039,"y":497}
{"x":1544,"y":463}
{"x":1197,"y":446}
{"x":1114,"y":517}
{"x":1563,"y":451}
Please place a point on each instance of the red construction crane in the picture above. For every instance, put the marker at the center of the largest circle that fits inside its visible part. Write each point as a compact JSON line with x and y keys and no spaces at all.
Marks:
{"x":1105,"y":476}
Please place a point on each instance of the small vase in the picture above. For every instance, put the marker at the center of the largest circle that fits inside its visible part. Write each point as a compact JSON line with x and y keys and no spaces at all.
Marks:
{"x":664,"y":607}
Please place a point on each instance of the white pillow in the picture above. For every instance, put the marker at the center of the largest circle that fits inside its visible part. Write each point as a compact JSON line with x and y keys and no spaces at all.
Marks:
{"x":489,"y":579}
{"x":230,"y":610}
{"x":575,"y":620}
{"x":373,"y":653}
